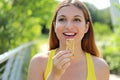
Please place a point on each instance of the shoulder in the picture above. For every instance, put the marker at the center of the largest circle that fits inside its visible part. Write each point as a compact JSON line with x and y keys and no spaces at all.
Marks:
{"x":39,"y":60}
{"x":101,"y":68}
{"x":37,"y":66}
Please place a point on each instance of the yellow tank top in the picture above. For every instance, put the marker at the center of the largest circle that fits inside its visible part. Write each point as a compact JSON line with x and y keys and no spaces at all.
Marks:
{"x":91,"y":72}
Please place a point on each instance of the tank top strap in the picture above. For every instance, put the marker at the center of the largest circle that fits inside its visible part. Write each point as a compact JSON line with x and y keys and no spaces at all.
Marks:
{"x":91,"y":72}
{"x":49,"y":63}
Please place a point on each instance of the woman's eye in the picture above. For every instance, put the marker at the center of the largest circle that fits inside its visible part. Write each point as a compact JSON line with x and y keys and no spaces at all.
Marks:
{"x":61,"y":19}
{"x":77,"y":20}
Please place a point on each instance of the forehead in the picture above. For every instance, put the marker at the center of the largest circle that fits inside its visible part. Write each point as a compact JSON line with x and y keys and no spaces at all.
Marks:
{"x":70,"y":10}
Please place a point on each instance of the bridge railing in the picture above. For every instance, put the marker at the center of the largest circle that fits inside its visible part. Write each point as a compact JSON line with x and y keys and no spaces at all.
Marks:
{"x":14,"y":62}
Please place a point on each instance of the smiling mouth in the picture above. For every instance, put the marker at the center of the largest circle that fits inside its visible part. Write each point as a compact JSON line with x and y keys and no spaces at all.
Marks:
{"x":69,"y":34}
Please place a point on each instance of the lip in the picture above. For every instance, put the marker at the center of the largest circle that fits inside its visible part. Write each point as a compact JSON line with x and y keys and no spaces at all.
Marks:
{"x":69,"y":34}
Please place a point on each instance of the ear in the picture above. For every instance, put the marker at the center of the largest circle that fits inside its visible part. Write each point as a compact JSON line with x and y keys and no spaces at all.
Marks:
{"x":87,"y":27}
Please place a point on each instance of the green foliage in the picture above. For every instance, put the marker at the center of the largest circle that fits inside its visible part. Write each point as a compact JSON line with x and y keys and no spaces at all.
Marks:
{"x":111,"y":50}
{"x":97,"y":17}
{"x":108,"y":43}
{"x":93,"y":11}
{"x":117,"y":5}
{"x":101,"y":31}
{"x":21,"y":21}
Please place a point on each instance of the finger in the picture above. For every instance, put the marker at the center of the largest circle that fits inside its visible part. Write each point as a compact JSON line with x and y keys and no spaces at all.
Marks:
{"x":56,"y":61}
{"x":60,"y":53}
{"x":66,"y":65}
{"x":65,"y":56}
{"x":64,"y":61}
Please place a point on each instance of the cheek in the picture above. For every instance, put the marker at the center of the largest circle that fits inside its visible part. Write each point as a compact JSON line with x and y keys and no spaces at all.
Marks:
{"x":82,"y":28}
{"x":81,"y":32}
{"x":58,"y":31}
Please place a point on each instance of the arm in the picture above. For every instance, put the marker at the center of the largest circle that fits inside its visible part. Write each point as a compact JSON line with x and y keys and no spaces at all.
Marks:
{"x":36,"y":67}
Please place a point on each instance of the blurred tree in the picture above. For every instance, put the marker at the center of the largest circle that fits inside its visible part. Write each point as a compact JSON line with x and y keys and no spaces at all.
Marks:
{"x":109,"y":44}
{"x":98,"y":17}
{"x":23,"y":20}
{"x":93,"y":11}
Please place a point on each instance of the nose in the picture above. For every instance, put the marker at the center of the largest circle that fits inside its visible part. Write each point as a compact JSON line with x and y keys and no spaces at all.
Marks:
{"x":69,"y":25}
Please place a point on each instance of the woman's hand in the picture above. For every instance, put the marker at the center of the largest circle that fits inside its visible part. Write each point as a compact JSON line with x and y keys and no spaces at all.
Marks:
{"x":61,"y":61}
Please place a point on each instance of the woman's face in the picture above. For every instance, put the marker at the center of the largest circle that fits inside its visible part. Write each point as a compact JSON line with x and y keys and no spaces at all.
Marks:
{"x":70,"y":24}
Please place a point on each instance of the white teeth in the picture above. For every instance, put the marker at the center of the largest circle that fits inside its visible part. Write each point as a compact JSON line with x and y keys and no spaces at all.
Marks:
{"x":70,"y":34}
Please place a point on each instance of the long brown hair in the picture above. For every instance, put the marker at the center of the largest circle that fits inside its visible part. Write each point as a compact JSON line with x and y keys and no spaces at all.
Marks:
{"x":88,"y":41}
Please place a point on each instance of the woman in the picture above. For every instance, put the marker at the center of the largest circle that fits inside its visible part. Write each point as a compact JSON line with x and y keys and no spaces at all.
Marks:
{"x":71,"y":21}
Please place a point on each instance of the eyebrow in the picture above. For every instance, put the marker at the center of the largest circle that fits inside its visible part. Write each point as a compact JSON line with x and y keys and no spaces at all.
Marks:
{"x":65,"y":16}
{"x":77,"y":16}
{"x":61,"y":15}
